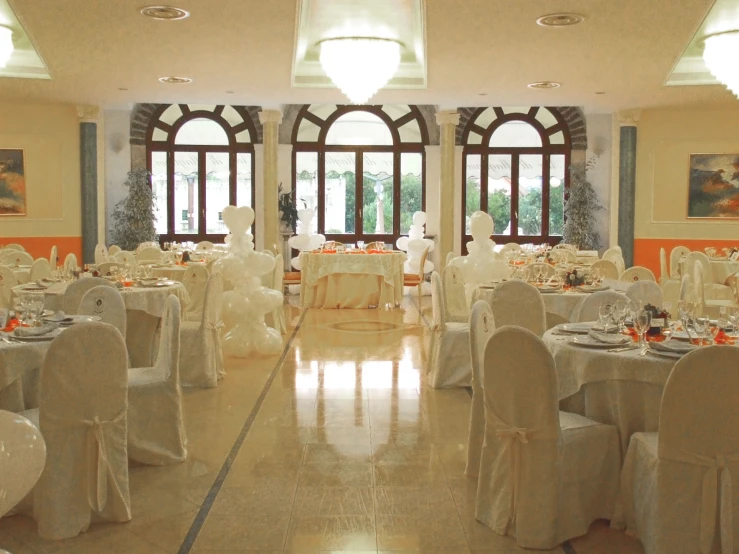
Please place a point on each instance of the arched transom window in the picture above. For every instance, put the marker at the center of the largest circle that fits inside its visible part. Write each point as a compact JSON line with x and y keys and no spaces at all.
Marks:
{"x":202,"y":159}
{"x":362,"y":168}
{"x":515,"y":169}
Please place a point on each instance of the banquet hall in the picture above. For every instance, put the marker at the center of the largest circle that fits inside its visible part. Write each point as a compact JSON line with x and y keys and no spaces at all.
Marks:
{"x":314,"y":276}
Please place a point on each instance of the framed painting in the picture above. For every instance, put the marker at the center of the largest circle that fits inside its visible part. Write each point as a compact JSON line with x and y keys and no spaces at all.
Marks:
{"x":12,"y":182}
{"x":713,"y":186}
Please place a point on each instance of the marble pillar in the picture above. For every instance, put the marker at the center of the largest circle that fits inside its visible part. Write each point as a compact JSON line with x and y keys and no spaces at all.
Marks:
{"x":627,"y":184}
{"x":89,"y":180}
{"x":448,"y":121}
{"x":270,"y":120}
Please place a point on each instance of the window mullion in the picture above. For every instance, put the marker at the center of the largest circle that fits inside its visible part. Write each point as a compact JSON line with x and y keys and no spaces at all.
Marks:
{"x":545,"y":177}
{"x":515,"y":173}
{"x":201,"y":192}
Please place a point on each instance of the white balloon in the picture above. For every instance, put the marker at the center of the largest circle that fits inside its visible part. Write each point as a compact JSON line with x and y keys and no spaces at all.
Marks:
{"x":22,"y":458}
{"x":481,"y":225}
{"x":260,"y":263}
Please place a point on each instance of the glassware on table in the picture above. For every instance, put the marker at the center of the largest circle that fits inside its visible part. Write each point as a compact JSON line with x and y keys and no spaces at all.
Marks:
{"x":642,"y":322}
{"x":360,"y":244}
{"x":685,"y":311}
{"x":605,"y":314}
{"x":620,"y":311}
{"x":734,"y":320}
{"x":702,"y":326}
{"x":36,"y":308}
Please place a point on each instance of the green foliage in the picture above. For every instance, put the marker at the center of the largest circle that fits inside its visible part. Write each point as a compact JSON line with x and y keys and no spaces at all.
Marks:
{"x":133,"y":217}
{"x":288,"y":209}
{"x":580,"y":209}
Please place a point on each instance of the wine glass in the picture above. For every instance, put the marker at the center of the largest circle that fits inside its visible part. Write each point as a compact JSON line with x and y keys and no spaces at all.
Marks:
{"x":360,"y":244}
{"x":642,"y":322}
{"x":605,"y":312}
{"x":685,"y":311}
{"x":702,"y":326}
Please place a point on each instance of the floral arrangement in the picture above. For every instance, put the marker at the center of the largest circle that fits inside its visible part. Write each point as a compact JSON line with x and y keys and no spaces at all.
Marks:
{"x":574,"y":279}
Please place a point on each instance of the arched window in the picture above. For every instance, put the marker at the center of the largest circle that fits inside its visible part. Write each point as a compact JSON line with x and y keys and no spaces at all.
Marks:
{"x":516,"y":169}
{"x":385,"y":145}
{"x":202,"y":159}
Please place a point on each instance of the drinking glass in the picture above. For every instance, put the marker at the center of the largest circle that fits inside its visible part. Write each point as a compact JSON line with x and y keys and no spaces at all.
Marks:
{"x":734,"y":319}
{"x":620,"y":311}
{"x":642,"y":322}
{"x":702,"y":326}
{"x":605,"y":312}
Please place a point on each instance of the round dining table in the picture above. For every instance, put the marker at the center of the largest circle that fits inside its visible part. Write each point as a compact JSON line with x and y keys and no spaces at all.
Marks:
{"x":19,"y":361}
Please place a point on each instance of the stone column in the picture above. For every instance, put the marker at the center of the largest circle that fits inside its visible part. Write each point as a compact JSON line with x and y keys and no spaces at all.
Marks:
{"x":89,"y":180}
{"x":448,"y":121}
{"x":270,"y":120}
{"x":627,"y":183}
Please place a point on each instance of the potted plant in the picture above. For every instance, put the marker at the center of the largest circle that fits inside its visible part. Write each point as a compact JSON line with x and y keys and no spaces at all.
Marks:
{"x":288,"y":210}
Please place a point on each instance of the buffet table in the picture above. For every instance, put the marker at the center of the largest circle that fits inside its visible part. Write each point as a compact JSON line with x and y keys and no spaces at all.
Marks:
{"x":351,"y":280}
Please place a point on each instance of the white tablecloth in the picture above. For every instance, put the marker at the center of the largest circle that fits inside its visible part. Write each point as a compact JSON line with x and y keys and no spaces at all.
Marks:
{"x":18,"y":360}
{"x":587,"y":257}
{"x":351,"y":280}
{"x":722,"y":269}
{"x":174,"y":272}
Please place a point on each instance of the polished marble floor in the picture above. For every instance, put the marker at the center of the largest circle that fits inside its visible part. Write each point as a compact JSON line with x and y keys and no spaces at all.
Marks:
{"x":338,"y":445}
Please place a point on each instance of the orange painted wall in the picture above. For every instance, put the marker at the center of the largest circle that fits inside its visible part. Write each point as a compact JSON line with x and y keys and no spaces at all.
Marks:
{"x":646,"y":251}
{"x":40,"y":247}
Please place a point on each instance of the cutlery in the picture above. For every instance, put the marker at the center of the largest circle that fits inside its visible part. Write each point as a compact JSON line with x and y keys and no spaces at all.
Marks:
{"x":622,"y":349}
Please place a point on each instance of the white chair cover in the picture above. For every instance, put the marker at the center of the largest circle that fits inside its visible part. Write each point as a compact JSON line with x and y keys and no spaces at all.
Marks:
{"x":54,"y":257}
{"x":519,"y":303}
{"x":645,"y":292}
{"x":686,"y":288}
{"x":16,"y":257}
{"x":607,"y":268}
{"x":149,"y":254}
{"x":563,"y":255}
{"x":107,"y":268}
{"x":201,"y":359}
{"x":712,"y":308}
{"x":555,"y":319}
{"x":113,"y":250}
{"x":276,"y":319}
{"x":589,"y":308}
{"x":454,"y":296}
{"x":676,"y":254}
{"x":449,"y":257}
{"x":637,"y":273}
{"x":694,"y":258}
{"x":545,"y":475}
{"x":125,"y":257}
{"x":615,"y":255}
{"x":449,"y":357}
{"x":7,"y":281}
{"x":70,"y":262}
{"x":482,"y":327}
{"x":671,"y":295}
{"x":664,"y":271}
{"x":106,"y":303}
{"x":572,"y":247}
{"x":40,"y":269}
{"x":195,"y":279}
{"x":101,"y":254}
{"x":204,"y":245}
{"x":156,"y":430}
{"x":499,"y":270}
{"x":77,"y":289}
{"x":15,"y":246}
{"x":82,"y":417}
{"x":677,"y":492}
{"x":147,"y":244}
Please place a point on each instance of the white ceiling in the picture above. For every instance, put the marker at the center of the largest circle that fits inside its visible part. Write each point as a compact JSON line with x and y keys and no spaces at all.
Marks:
{"x":626,"y":48}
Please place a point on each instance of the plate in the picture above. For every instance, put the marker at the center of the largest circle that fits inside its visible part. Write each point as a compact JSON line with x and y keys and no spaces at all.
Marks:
{"x":51,"y":335}
{"x":592,"y":288}
{"x":158,"y":284}
{"x":576,"y":328}
{"x":590,"y":342}
{"x":33,"y":288}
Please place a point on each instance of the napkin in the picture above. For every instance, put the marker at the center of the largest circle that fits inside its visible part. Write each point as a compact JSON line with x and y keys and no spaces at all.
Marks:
{"x":674,"y":346}
{"x":609,"y":338}
{"x":58,"y":316}
{"x":34,"y":331}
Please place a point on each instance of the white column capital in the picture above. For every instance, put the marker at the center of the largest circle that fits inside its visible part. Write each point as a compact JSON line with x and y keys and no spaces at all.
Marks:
{"x":270,"y":116}
{"x":88,"y":114}
{"x":447,"y":117}
{"x":629,"y":118}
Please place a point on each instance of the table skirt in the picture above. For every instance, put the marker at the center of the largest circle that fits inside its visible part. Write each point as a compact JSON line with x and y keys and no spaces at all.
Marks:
{"x":344,"y":290}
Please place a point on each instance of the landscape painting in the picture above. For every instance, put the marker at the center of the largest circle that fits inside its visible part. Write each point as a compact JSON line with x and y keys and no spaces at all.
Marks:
{"x":714,"y":186}
{"x":12,"y":182}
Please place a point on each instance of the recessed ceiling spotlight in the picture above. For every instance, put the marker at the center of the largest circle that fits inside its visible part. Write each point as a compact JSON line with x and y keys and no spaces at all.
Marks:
{"x":175,"y":80}
{"x":164,"y":13}
{"x":544,"y":84}
{"x":482,"y":94}
{"x":560,"y":19}
{"x":229,"y":92}
{"x":600,"y":93}
{"x":122,"y":88}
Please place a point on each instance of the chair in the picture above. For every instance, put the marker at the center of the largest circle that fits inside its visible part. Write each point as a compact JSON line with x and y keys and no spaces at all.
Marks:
{"x":149,"y":254}
{"x":108,"y":268}
{"x":147,"y":244}
{"x":676,"y":485}
{"x":711,"y":307}
{"x":449,"y":350}
{"x":410,"y":280}
{"x":664,"y":271}
{"x":14,"y":246}
{"x":127,"y":258}
{"x":555,"y":319}
{"x":694,"y":258}
{"x":201,"y":360}
{"x":676,"y":254}
{"x":77,"y":289}
{"x":40,"y":269}
{"x":614,"y":255}
{"x":277,"y":317}
{"x":195,"y":279}
{"x":566,"y":246}
{"x":156,"y":430}
{"x":645,"y":292}
{"x":519,"y":303}
{"x":7,"y":281}
{"x":687,"y":291}
{"x":375,"y":245}
{"x":449,"y":257}
{"x":15,"y":258}
{"x":204,"y":245}
{"x":637,"y":273}
{"x":482,"y":327}
{"x":113,"y":250}
{"x":455,"y":300}
{"x":70,"y":262}
{"x":82,"y":417}
{"x":511,"y":247}
{"x":101,"y":254}
{"x":589,"y":308}
{"x":545,"y":475}
{"x":54,"y":257}
{"x":671,"y":295}
{"x":106,"y":303}
{"x":563,"y":255}
{"x":332,"y":244}
{"x":607,"y":268}
{"x":547,"y":271}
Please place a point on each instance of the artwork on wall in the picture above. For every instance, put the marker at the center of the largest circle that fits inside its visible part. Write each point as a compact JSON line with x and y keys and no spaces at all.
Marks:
{"x":713,"y":186}
{"x":12,"y":182}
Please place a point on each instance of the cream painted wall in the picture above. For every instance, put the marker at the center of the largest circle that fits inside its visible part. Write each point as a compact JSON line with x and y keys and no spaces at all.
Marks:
{"x":117,"y":125}
{"x":49,"y":137}
{"x":599,"y":148}
{"x":665,"y":140}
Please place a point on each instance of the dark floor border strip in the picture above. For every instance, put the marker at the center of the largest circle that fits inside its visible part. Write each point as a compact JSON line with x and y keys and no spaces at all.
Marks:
{"x":197,"y":524}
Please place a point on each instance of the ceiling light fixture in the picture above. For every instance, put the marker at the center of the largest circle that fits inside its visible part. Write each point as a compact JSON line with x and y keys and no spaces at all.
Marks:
{"x":6,"y":45}
{"x":560,"y":19}
{"x":720,"y":54}
{"x":164,"y":13}
{"x":360,"y":66}
{"x":175,"y":80}
{"x":544,"y":84}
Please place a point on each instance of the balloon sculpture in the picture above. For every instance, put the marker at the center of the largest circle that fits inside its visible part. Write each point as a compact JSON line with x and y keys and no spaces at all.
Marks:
{"x":414,"y":244}
{"x":244,"y":306}
{"x":482,"y":263}
{"x":304,"y":241}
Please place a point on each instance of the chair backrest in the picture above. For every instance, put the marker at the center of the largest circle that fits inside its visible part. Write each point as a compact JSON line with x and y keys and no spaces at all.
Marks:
{"x":7,"y":281}
{"x":671,"y":295}
{"x":566,"y":246}
{"x":614,"y":255}
{"x":676,"y":254}
{"x":699,"y":258}
{"x":438,"y":310}
{"x":106,"y":303}
{"x":547,"y":270}
{"x":482,"y":327}
{"x":563,"y":255}
{"x":195,"y":280}
{"x":375,"y":245}
{"x":147,"y":244}
{"x":519,"y":303}
{"x":732,"y":281}
{"x":149,"y":254}
{"x":555,"y":319}
{"x":107,"y":268}
{"x":54,"y":257}
{"x":113,"y":250}
{"x":17,"y":257}
{"x":422,"y":263}
{"x":70,"y":262}
{"x":40,"y":269}
{"x":686,"y":288}
{"x":127,"y":258}
{"x":699,"y":291}
{"x":664,"y":271}
{"x":637,"y":273}
{"x":101,"y":253}
{"x":511,"y":247}
{"x":14,"y":246}
{"x":606,"y":268}
{"x":77,"y":289}
{"x":645,"y":292}
{"x":204,"y":245}
{"x":449,"y":257}
{"x":212,"y":301}
{"x":455,"y":301}
{"x":589,"y":308}
{"x":331,"y":245}
{"x":168,"y":356}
